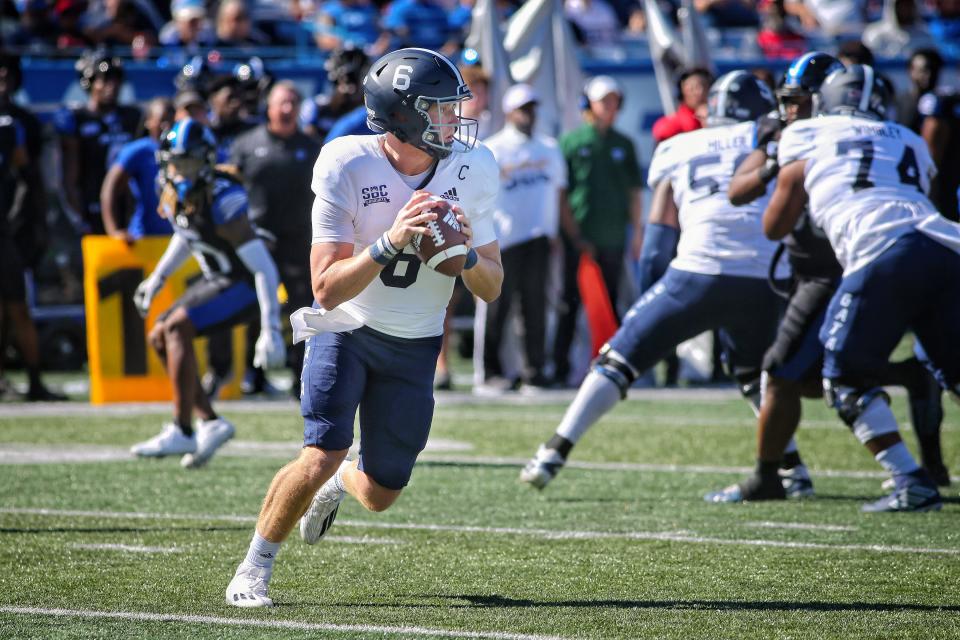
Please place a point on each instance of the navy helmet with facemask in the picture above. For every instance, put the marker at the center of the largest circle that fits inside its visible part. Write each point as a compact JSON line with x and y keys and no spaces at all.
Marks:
{"x":188,"y":141}
{"x":399,"y":91}
{"x":857,"y":90}
{"x":738,"y":96}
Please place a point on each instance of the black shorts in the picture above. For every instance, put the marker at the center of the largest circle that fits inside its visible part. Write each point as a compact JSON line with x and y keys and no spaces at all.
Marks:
{"x":796,"y":353}
{"x":12,"y":287}
{"x":217,"y":303}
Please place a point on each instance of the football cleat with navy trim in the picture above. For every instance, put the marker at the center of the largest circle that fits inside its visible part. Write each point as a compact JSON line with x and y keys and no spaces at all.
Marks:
{"x":917,"y":495}
{"x":543,"y":467}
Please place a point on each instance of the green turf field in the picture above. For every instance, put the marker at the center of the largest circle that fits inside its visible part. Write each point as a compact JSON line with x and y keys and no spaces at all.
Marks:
{"x":621,"y":545}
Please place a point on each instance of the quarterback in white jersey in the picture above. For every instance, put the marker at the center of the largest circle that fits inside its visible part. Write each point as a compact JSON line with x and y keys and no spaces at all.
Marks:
{"x":373,"y":195}
{"x":717,"y":281}
{"x":866,"y":180}
{"x":358,"y":194}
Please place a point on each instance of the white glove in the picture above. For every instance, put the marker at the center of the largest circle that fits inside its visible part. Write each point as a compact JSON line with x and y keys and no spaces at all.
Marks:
{"x":270,"y":352}
{"x":145,"y":293}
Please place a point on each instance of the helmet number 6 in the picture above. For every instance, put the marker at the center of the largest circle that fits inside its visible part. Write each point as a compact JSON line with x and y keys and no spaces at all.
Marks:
{"x":401,"y":77}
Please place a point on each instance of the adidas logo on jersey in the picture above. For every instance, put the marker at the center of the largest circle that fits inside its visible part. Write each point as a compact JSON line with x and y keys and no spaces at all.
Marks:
{"x":450,"y":194}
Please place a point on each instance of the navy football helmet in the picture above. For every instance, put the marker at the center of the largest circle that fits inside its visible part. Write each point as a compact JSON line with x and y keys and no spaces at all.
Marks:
{"x":417,"y":94}
{"x":192,"y":148}
{"x":738,"y":96}
{"x":857,"y":90}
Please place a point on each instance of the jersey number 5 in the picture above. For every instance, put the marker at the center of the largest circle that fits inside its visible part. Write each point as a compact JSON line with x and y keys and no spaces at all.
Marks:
{"x":907,"y":168}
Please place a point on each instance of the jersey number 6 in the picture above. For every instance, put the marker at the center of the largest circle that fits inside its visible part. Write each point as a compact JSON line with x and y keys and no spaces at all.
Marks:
{"x":401,"y":272}
{"x":401,"y":77}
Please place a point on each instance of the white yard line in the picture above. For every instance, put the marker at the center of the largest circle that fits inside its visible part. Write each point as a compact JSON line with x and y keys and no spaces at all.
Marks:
{"x":272,"y":624}
{"x":643,"y":466}
{"x":20,"y":453}
{"x":131,"y":548}
{"x":545,"y":534}
{"x":802,"y":526}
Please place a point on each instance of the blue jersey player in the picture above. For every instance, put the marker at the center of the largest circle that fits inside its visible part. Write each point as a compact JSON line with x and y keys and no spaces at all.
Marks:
{"x":864,"y":181}
{"x":208,"y":209}
{"x":717,"y":280}
{"x":373,"y":195}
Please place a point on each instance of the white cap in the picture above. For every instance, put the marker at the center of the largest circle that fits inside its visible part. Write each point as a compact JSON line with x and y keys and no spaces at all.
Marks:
{"x":600,"y":87}
{"x":517,"y":96}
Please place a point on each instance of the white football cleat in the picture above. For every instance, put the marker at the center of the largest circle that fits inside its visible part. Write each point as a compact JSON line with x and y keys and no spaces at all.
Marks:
{"x":211,"y":435}
{"x":322,"y":512}
{"x":170,"y":442}
{"x":248,"y":588}
{"x":542,"y":467}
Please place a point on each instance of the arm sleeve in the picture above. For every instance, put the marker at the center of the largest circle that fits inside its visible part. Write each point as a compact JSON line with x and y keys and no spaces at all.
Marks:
{"x":659,"y":248}
{"x":173,"y":256}
{"x":331,"y":216}
{"x":266,"y":279}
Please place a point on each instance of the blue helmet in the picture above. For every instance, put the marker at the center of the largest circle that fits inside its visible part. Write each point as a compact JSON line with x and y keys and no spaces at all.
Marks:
{"x":188,"y":139}
{"x":857,"y":90}
{"x":805,"y":74}
{"x":399,"y":90}
{"x":738,"y":96}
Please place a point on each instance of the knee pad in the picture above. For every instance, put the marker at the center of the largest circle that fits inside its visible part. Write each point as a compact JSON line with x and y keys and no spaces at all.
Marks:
{"x":852,"y":403}
{"x":615,"y":367}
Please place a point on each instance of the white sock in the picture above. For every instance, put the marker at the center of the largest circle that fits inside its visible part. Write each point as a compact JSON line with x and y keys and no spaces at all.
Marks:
{"x":791,"y":446}
{"x":262,"y":552}
{"x":597,"y":395}
{"x":897,"y":460}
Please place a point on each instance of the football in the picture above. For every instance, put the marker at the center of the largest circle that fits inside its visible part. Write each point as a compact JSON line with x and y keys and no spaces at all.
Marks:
{"x":444,"y":251}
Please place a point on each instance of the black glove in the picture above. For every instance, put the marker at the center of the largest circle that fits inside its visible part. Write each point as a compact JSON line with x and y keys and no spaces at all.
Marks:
{"x":769,"y":127}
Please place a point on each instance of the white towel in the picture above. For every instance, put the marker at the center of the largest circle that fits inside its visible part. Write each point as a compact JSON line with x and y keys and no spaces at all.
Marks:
{"x":308,"y":322}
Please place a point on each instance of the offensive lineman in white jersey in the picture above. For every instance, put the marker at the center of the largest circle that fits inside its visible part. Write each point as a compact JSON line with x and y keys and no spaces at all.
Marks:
{"x":866,"y":181}
{"x":717,"y":281}
{"x":373,"y":194}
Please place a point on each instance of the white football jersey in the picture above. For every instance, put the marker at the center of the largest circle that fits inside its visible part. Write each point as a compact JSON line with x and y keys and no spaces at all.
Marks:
{"x":716,"y":237}
{"x":358,"y":196}
{"x":867,"y":182}
{"x":532,"y":172}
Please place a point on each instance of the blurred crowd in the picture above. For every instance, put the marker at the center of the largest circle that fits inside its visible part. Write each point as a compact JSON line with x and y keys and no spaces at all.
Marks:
{"x":775,"y":28}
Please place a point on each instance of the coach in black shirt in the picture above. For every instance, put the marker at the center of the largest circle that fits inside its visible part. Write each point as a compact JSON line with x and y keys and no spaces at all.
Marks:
{"x":276,"y":160}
